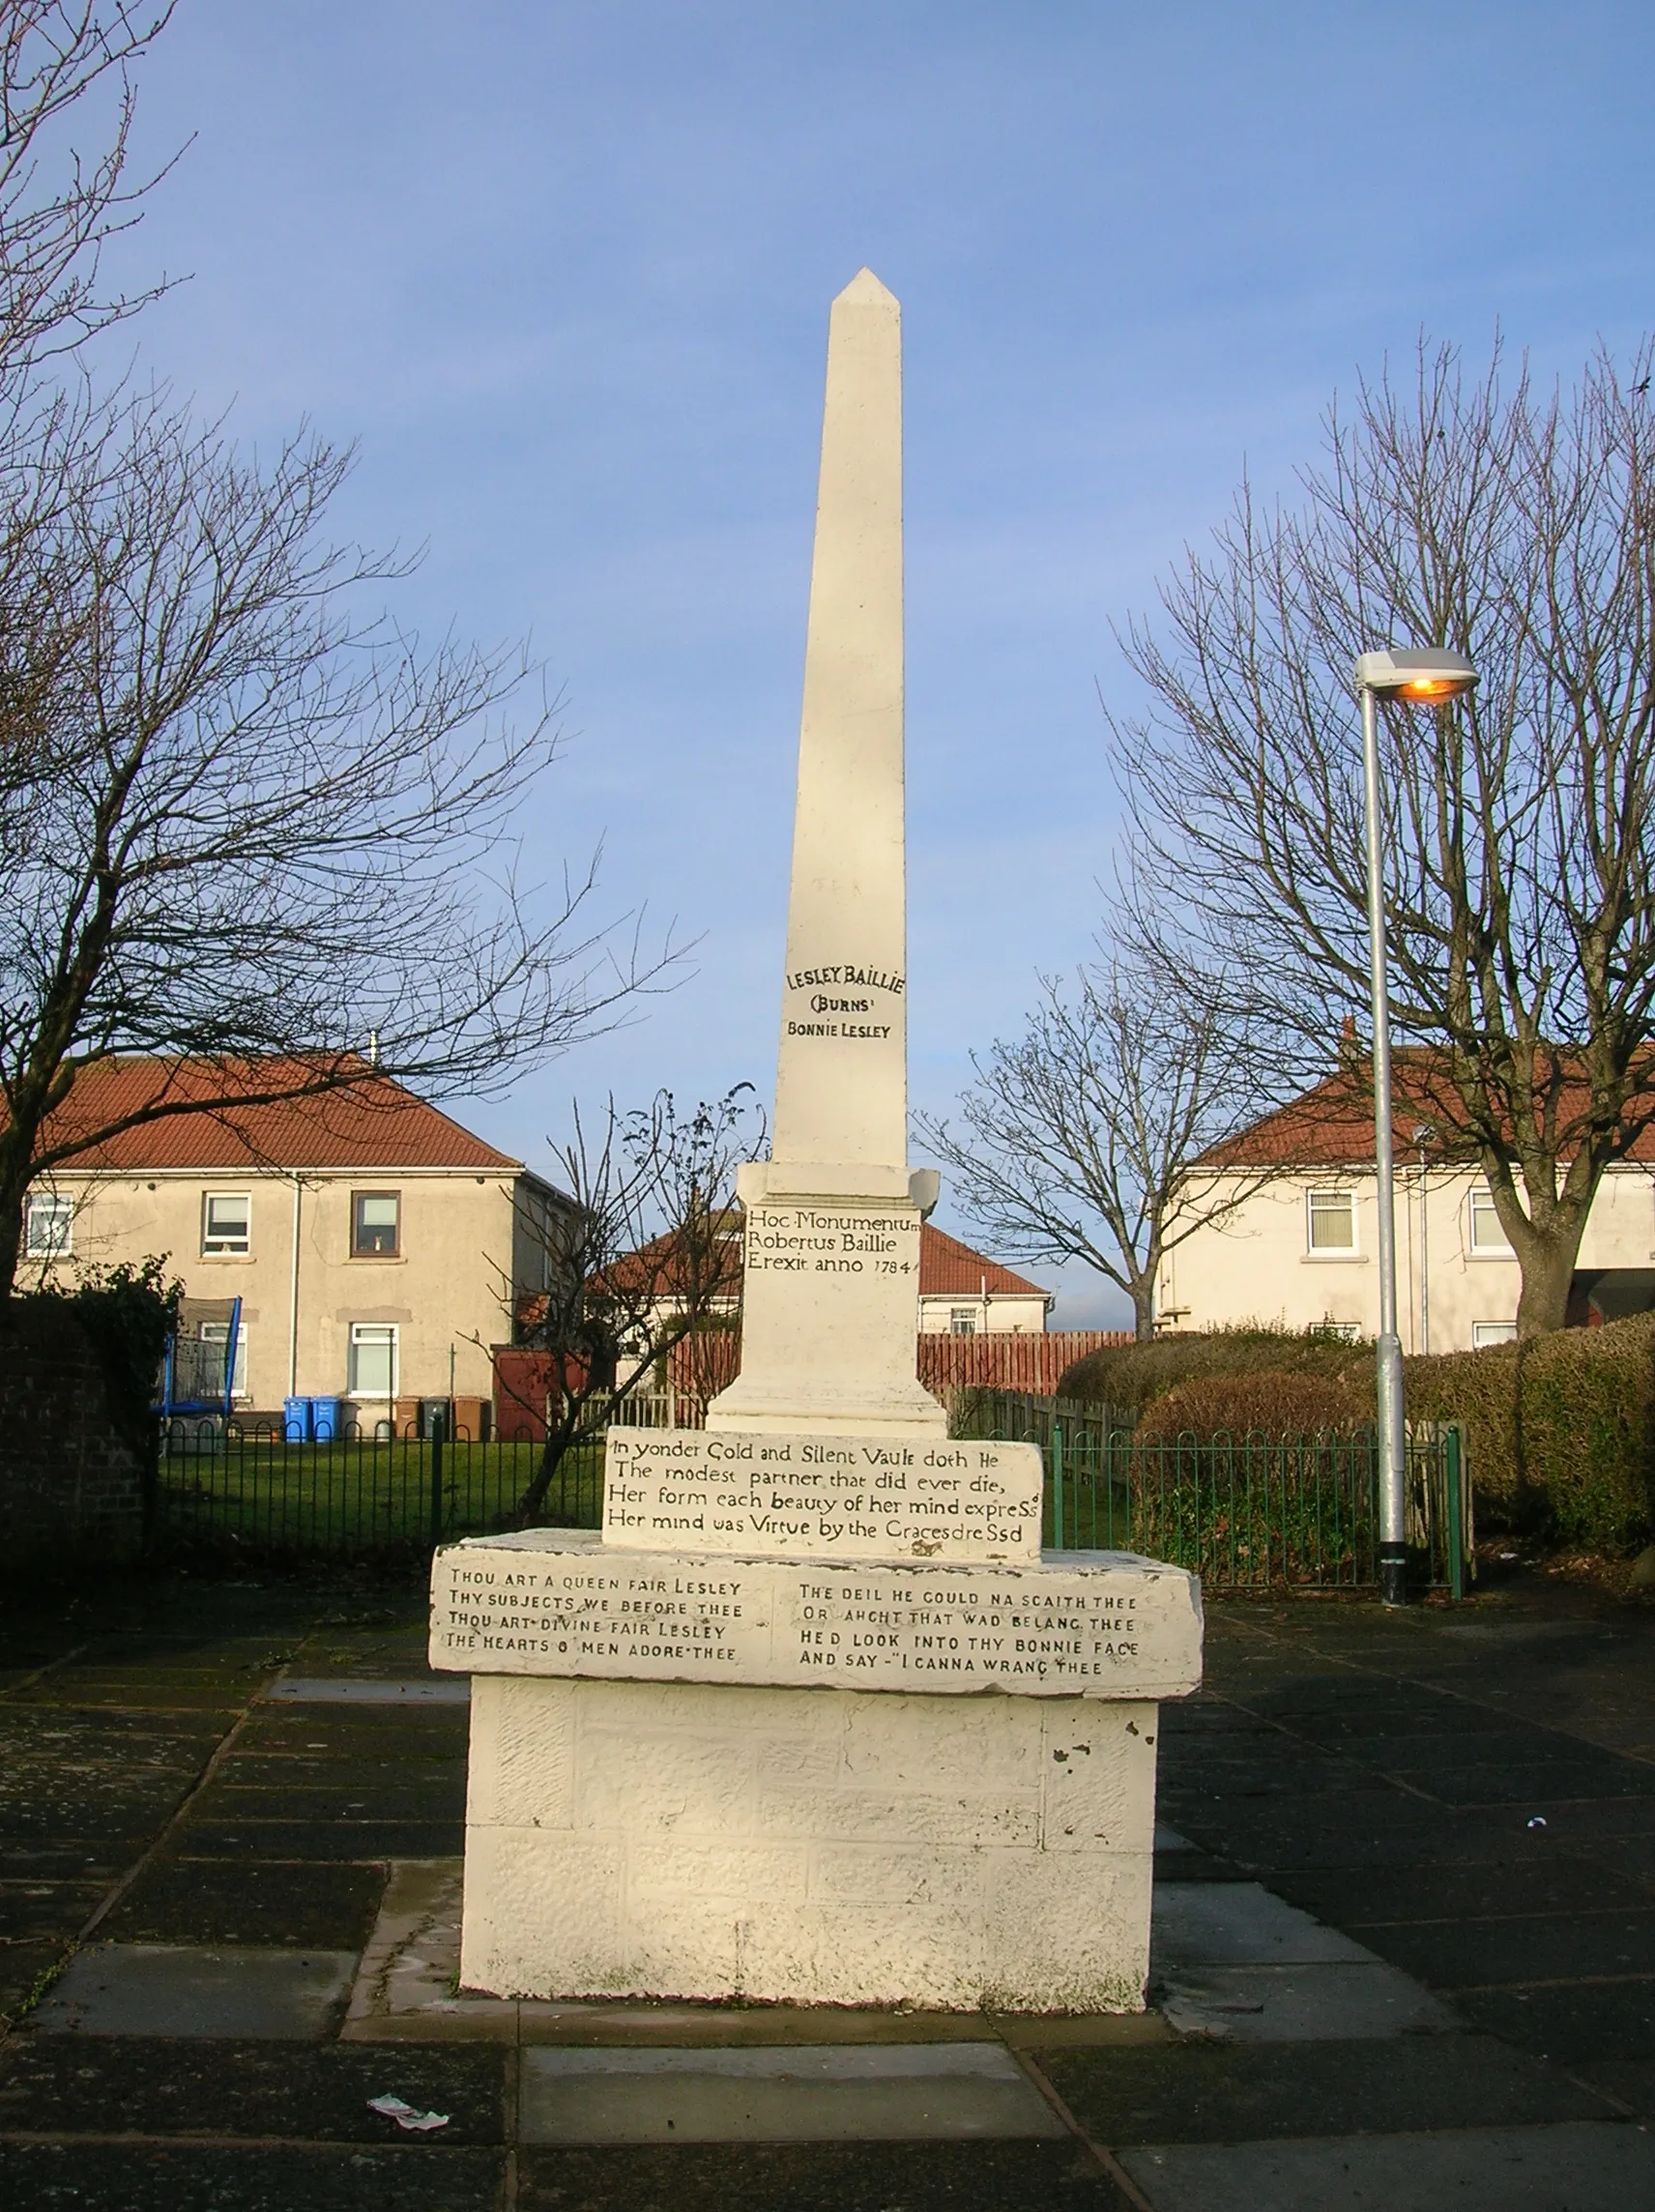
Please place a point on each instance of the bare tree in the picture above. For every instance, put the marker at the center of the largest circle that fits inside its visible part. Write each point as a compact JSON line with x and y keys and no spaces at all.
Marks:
{"x":648,"y":1254}
{"x":1518,"y":526}
{"x":59,"y":206}
{"x":244,"y":819}
{"x":1078,"y":1137}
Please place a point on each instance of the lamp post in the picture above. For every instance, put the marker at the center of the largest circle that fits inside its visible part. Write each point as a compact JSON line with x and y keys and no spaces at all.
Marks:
{"x":1424,"y":679}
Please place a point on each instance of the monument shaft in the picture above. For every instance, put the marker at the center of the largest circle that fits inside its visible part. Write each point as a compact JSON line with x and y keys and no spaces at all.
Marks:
{"x":842,"y":1068}
{"x":833,"y":1219}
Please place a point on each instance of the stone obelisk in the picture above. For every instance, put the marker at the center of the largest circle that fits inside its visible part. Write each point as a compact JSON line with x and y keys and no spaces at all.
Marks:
{"x":814,"y":1719}
{"x":833,"y":1218}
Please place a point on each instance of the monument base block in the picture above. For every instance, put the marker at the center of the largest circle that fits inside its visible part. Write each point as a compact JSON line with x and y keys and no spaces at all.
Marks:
{"x":807,"y":1846}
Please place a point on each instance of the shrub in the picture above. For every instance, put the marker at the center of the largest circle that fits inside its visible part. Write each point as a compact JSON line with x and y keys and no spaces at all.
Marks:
{"x":1270,"y":1403}
{"x":1560,"y":1430}
{"x":1128,"y":1375}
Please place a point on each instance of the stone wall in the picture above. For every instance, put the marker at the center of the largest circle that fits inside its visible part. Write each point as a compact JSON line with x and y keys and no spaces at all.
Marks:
{"x":73,"y":1472}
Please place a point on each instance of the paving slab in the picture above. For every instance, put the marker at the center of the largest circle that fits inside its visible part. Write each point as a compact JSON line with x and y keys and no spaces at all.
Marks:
{"x":762,"y":2026}
{"x":1630,"y":2082}
{"x":1570,"y":2021}
{"x":162,"y":1989}
{"x":1529,"y":1947}
{"x":351,"y":1732}
{"x":32,"y":1909}
{"x":1032,"y":2176}
{"x":235,"y":1901}
{"x":832,"y":2093}
{"x":317,"y":2092}
{"x":1239,"y":1924}
{"x":368,"y":1690}
{"x":274,"y":2177}
{"x":1580,"y":2166}
{"x":1238,"y":2092}
{"x":1398,"y":1896}
{"x":215,"y":1835}
{"x":1339,"y":2002}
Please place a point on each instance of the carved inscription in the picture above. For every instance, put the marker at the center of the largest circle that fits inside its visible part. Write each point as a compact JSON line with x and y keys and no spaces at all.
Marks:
{"x":822,"y":1497}
{"x":816,"y":1242}
{"x":851,"y":1002}
{"x":1115,"y":1628}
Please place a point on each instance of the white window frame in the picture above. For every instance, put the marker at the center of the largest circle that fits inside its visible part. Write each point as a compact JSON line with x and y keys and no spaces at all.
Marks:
{"x":1480,"y":1208}
{"x":1348,"y":1199}
{"x":365,"y":1252}
{"x":56,"y":1242}
{"x":224,"y":1247}
{"x":964,"y":1320}
{"x":219,"y":1332}
{"x":1487,"y":1332}
{"x":382,"y":1332}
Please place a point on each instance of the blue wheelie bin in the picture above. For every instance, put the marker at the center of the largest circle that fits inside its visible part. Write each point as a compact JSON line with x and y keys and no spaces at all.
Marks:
{"x":326,"y":1421}
{"x":296,"y":1420}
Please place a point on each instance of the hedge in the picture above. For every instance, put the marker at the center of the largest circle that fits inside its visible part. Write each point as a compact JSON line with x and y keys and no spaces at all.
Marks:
{"x":1126,"y":1377}
{"x":1273,"y":1403}
{"x":1560,"y":1430}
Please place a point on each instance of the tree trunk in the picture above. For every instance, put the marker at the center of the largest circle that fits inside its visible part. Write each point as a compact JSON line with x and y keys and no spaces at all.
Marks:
{"x":1143,"y":1311}
{"x":1547,"y":1269}
{"x":11,"y":1242}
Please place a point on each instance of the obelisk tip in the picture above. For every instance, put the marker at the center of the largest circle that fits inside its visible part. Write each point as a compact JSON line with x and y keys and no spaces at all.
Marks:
{"x":864,"y":290}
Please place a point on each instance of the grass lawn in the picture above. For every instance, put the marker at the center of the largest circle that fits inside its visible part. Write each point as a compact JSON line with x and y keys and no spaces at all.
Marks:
{"x":346,"y":1498}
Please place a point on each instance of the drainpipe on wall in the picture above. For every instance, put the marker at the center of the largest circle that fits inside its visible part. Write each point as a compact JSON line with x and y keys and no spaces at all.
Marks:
{"x":292,"y":1300}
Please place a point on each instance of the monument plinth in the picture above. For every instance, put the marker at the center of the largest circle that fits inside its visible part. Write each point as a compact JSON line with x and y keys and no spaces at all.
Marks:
{"x":814,"y":1719}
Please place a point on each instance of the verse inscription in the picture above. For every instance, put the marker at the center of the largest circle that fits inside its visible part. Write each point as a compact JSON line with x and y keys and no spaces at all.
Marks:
{"x":1116,"y":1628}
{"x":822,"y":1497}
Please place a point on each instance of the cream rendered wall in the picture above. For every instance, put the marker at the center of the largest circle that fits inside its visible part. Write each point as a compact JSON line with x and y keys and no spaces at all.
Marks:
{"x":452,"y":1280}
{"x":1257,"y":1264}
{"x":1006,"y":1315}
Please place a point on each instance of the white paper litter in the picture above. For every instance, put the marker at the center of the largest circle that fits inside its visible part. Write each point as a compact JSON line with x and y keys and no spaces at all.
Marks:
{"x":407,"y":2115}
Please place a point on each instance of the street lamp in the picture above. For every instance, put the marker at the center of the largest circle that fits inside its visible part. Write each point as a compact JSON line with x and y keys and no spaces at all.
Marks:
{"x":1423,"y":680}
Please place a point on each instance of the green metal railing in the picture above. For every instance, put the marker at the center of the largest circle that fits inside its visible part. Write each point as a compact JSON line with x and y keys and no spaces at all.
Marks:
{"x":224,"y":1486}
{"x":1251,"y":1512}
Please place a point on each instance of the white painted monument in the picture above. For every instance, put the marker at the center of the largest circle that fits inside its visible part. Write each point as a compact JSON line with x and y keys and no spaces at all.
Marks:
{"x":814,"y":1719}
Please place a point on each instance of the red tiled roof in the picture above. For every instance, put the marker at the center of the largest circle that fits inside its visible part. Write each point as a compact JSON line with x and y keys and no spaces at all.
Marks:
{"x":948,"y":1268}
{"x":665,"y":1267}
{"x":1332,"y":1124}
{"x":375,"y":1123}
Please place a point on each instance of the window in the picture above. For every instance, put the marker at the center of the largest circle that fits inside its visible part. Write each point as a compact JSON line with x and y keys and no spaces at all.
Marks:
{"x":374,"y":1224}
{"x":219,"y":1332}
{"x":373,"y":1359}
{"x":1332,"y":1221}
{"x":46,"y":1226}
{"x":1491,"y":1333}
{"x":1487,"y":1235}
{"x":962,"y":1321}
{"x":224,"y":1221}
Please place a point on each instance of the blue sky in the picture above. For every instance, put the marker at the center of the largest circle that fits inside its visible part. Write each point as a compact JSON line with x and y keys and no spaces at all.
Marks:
{"x":563,"y":270}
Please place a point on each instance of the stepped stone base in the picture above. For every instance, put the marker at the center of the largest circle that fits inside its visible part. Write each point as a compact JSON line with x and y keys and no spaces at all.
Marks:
{"x":804,"y":1846}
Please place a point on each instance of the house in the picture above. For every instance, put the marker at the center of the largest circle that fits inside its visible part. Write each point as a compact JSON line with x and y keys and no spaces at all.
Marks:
{"x":964,"y":1294}
{"x":377,"y":1247}
{"x":1299,"y":1247}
